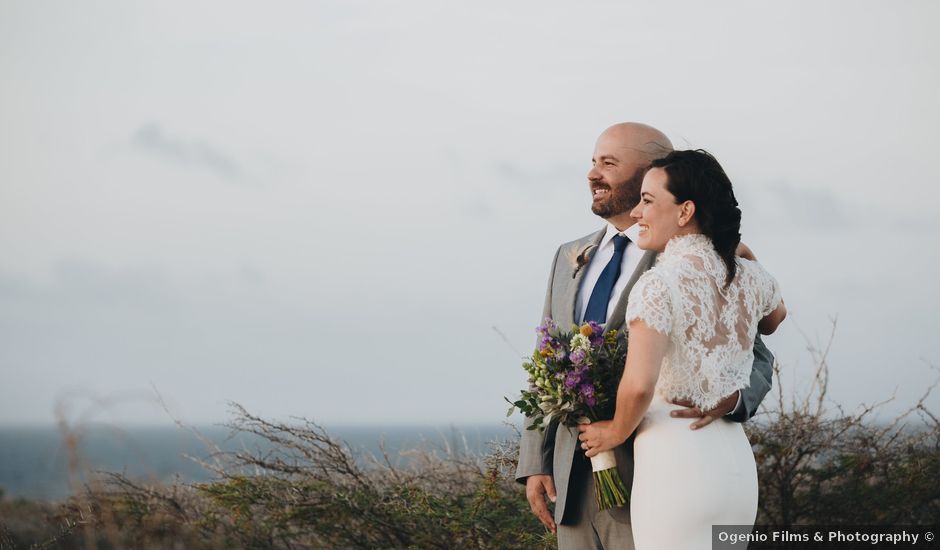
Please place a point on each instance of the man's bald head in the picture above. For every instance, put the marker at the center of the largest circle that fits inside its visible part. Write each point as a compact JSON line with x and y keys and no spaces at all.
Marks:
{"x":621,"y":156}
{"x":639,"y":138}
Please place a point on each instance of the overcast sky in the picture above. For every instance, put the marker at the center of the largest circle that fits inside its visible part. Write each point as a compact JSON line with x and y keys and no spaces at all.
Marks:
{"x":322,"y":209}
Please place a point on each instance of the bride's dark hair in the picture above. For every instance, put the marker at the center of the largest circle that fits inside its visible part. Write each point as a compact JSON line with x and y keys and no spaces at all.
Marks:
{"x":696,"y":176}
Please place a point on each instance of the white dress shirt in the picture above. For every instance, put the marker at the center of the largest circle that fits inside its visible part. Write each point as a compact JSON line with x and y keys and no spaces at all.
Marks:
{"x":600,"y":258}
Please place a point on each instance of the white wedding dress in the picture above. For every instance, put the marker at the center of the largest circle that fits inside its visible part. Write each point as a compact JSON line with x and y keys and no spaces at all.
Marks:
{"x":686,"y":480}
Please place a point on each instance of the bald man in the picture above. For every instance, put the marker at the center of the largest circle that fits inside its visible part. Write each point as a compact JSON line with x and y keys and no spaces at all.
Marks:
{"x":581,"y":287}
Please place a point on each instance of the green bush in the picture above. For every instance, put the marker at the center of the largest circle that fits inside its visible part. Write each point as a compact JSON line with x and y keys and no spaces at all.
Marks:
{"x":307,"y":490}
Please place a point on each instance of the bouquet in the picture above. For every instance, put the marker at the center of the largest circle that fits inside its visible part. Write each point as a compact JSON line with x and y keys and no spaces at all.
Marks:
{"x":573,"y":379}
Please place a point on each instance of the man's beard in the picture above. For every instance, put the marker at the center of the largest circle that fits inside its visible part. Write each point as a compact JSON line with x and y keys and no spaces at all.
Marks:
{"x":622,"y":198}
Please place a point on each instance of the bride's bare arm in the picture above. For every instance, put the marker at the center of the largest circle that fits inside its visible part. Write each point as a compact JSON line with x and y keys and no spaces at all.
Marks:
{"x":769,"y":324}
{"x":644,"y":359}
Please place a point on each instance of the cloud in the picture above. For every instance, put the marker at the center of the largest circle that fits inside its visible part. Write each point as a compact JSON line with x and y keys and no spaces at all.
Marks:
{"x":251,"y":274}
{"x":544,"y":177}
{"x":477,"y":207}
{"x":794,"y":206}
{"x":151,"y":139}
{"x":82,"y":290}
{"x":787,"y":207}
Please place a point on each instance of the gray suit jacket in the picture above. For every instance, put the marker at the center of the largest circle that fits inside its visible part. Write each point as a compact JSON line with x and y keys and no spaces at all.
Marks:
{"x":560,"y":299}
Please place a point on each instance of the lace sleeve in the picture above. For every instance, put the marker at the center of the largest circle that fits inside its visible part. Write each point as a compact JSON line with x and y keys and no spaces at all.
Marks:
{"x":649,"y":301}
{"x":769,"y":290}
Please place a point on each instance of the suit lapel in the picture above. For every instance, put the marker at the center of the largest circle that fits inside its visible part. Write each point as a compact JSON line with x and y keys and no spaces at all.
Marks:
{"x":574,"y":275}
{"x":616,"y":317}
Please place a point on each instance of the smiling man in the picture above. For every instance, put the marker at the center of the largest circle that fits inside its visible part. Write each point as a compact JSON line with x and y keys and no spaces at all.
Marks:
{"x":590,"y":280}
{"x":621,"y":156}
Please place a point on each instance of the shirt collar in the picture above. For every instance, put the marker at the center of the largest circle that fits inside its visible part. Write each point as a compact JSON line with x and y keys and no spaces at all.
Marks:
{"x":632,"y":233}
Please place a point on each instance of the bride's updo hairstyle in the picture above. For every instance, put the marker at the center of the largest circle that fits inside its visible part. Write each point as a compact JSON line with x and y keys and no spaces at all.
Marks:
{"x":696,"y":176}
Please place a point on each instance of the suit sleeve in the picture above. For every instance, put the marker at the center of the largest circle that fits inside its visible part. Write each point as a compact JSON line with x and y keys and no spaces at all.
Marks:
{"x":534,"y":455}
{"x":761,"y":382}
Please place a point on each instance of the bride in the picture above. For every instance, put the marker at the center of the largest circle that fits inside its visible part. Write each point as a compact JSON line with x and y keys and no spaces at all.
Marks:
{"x":692,"y":323}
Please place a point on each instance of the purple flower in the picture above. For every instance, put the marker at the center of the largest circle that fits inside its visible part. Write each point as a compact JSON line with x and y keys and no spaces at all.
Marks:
{"x":548,"y":345}
{"x":545,"y":343}
{"x":548,"y":326}
{"x":587,"y":392}
{"x":597,"y":334}
{"x":573,"y":378}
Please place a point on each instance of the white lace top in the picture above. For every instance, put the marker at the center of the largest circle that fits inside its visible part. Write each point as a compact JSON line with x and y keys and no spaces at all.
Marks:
{"x":711,"y":329}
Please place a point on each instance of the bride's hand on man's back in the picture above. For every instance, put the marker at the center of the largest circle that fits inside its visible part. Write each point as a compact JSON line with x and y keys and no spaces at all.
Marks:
{"x":745,"y":252}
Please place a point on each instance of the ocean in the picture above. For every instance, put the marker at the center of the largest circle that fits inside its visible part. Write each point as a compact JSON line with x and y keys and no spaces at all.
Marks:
{"x":35,"y":461}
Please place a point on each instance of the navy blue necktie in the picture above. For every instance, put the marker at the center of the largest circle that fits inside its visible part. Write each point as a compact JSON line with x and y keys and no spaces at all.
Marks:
{"x":600,"y":296}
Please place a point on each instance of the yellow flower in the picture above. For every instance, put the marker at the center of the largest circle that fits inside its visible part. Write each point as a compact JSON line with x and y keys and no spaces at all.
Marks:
{"x":586,"y":330}
{"x":611,"y":337}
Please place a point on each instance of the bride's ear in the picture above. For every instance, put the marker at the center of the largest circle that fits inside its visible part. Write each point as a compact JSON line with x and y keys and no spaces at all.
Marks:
{"x":686,"y":213}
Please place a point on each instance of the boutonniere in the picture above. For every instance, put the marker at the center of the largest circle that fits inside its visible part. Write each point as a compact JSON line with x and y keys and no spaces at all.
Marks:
{"x":580,"y":258}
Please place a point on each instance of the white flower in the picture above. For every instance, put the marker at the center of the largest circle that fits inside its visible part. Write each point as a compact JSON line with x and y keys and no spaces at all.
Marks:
{"x":580,"y":341}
